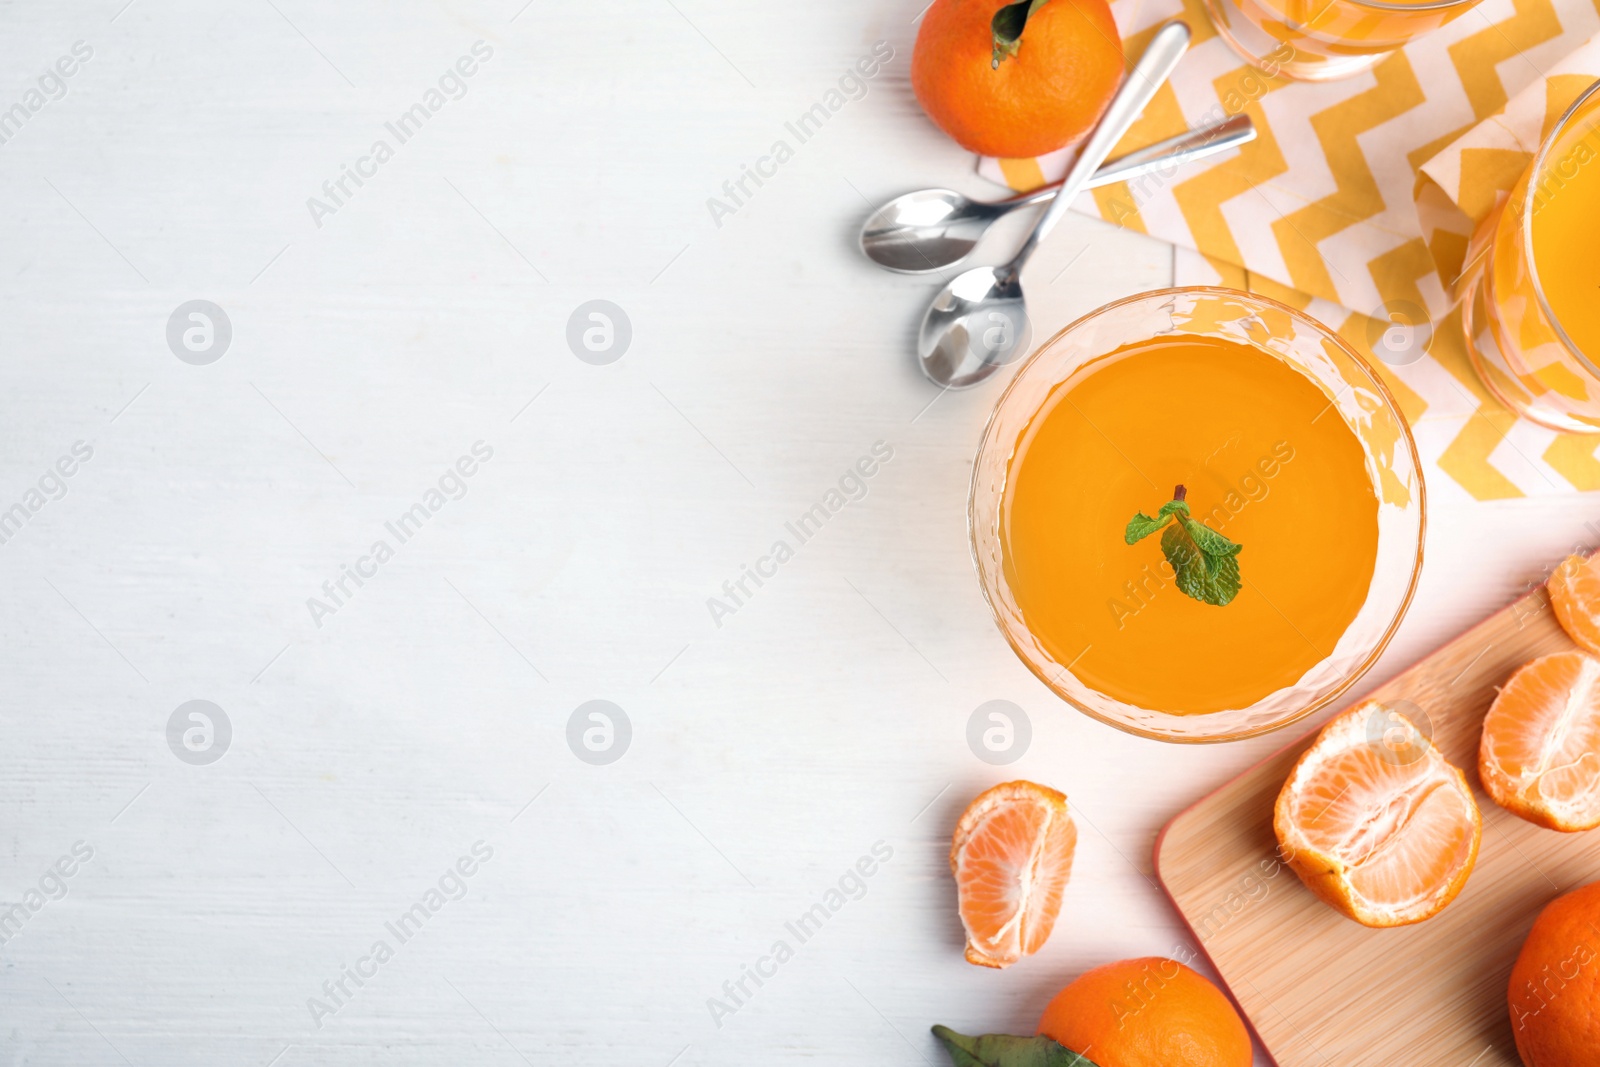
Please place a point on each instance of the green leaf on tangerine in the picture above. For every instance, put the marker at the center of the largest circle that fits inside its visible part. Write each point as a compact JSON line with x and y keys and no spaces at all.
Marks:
{"x":1003,"y":1050}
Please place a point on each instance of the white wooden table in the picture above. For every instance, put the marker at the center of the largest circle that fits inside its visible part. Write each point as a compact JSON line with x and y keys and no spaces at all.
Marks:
{"x":376,"y":740}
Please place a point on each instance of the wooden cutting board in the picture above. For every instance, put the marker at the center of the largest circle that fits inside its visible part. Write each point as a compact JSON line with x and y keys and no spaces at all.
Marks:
{"x":1323,"y":991}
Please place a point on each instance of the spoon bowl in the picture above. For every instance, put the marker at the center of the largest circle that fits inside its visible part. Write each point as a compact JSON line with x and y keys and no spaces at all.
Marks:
{"x":977,"y":323}
{"x":926,"y":230}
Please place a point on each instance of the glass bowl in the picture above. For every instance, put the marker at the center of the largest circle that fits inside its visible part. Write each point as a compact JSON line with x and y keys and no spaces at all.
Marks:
{"x":1354,"y":391}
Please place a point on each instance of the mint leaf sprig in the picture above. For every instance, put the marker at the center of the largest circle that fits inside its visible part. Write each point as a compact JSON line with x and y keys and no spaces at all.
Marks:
{"x":1205,"y":564}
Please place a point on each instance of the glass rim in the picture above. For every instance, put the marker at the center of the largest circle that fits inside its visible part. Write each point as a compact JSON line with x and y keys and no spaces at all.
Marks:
{"x":1387,"y":5}
{"x":1535,"y":170}
{"x":1407,"y":438}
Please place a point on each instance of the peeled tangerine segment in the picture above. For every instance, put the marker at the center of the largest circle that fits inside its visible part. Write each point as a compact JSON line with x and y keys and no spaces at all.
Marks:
{"x":1540,"y":755}
{"x":1011,"y":856}
{"x":1376,"y":821}
{"x":1574,"y":589}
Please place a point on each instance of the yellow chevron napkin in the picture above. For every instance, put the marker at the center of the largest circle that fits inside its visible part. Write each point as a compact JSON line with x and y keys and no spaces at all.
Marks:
{"x":1464,"y":183}
{"x":1355,"y":201}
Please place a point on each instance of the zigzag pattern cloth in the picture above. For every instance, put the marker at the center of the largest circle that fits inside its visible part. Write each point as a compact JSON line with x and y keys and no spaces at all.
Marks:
{"x":1355,"y":202}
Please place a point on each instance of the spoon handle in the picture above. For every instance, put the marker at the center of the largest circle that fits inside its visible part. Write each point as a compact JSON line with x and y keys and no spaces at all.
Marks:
{"x":1176,"y":151}
{"x":1160,"y":56}
{"x":1186,"y":147}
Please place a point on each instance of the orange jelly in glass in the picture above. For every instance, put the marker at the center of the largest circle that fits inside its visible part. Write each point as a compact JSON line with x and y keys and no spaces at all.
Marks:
{"x":1284,"y":441}
{"x":1320,"y":40}
{"x":1531,"y":289}
{"x":1262,"y":461}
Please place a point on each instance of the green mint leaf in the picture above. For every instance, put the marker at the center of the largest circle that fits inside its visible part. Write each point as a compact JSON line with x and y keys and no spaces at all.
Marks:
{"x":1142,"y":525}
{"x":1205,"y":564}
{"x":1007,"y":26}
{"x":1211,"y":578}
{"x":1209,"y":541}
{"x":1003,"y":1050}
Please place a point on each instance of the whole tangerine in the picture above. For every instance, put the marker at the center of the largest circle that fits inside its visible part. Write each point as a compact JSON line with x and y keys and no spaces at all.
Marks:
{"x":1022,"y":97}
{"x":1148,"y":1012}
{"x":1555,"y":984}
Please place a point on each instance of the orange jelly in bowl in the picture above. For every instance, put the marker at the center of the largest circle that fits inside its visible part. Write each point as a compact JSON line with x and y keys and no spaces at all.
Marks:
{"x":1264,"y":459}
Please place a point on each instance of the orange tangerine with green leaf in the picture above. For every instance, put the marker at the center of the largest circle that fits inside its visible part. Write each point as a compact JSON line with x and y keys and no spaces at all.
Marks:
{"x":1149,"y":1012}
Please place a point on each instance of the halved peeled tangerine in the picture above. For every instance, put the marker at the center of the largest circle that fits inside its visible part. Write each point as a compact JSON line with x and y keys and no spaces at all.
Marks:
{"x":1376,"y":821}
{"x":1540,"y":753}
{"x":1011,"y":855}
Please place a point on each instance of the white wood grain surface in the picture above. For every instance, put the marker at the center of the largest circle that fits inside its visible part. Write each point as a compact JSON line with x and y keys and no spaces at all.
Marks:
{"x":430,"y":711}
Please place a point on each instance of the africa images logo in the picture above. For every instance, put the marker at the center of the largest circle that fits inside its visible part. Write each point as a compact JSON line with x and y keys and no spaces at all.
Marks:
{"x":853,"y":84}
{"x":851,"y":488}
{"x":452,"y":85}
{"x":453,"y":484}
{"x":452,"y":885}
{"x":851,"y":885}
